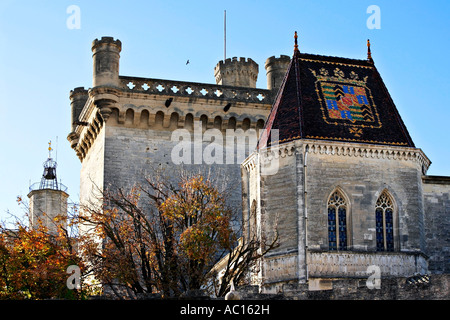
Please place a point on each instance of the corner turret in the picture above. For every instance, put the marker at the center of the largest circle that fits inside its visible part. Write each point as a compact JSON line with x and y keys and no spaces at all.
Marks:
{"x":106,"y":55}
{"x":78,"y":98}
{"x":275,"y":71}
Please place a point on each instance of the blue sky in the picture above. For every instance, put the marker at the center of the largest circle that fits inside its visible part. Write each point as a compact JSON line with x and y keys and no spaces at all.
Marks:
{"x":41,"y":60}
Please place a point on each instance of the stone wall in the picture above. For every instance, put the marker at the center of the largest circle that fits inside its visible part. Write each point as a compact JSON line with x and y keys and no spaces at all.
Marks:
{"x":45,"y":205}
{"x":361,"y":179}
{"x":294,"y":200}
{"x":436,"y":288}
{"x":92,"y":170}
{"x":436,"y":192}
{"x":353,"y":264}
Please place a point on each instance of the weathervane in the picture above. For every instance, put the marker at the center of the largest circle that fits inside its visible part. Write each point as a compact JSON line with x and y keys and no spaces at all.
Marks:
{"x":50,"y":149}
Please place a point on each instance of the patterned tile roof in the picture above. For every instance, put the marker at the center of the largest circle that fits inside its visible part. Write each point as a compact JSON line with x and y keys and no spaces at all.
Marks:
{"x":332,"y":98}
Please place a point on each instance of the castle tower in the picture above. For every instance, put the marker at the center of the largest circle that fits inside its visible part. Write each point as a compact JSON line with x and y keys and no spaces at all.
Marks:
{"x":106,"y":55}
{"x":276,"y":70}
{"x":237,"y":73}
{"x":48,"y":198}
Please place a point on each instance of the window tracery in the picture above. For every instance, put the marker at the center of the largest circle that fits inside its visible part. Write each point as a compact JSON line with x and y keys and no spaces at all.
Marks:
{"x":337,"y":221}
{"x":384,"y":222}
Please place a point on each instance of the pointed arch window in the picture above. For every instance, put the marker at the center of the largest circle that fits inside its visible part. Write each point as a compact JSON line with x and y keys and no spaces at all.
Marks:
{"x":384,"y":220}
{"x":337,"y":221}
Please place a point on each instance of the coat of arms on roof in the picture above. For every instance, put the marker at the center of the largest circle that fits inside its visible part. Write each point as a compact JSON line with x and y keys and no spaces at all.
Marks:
{"x":346,"y":101}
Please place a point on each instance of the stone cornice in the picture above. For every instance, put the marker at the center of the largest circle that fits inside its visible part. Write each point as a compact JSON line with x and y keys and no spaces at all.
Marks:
{"x":445,"y":180}
{"x":342,"y":149}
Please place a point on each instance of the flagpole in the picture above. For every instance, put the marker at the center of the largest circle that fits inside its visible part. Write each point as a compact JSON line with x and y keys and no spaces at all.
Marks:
{"x":224,"y":35}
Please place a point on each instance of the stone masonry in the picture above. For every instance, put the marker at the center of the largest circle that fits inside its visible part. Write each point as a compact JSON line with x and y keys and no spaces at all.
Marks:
{"x":124,"y":127}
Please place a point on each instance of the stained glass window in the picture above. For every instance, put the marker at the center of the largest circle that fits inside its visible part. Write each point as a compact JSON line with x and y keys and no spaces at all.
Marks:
{"x":384,"y":223}
{"x":337,"y":222}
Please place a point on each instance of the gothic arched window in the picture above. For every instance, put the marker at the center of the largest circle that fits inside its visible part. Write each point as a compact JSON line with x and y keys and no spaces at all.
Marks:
{"x":337,"y":221}
{"x":384,"y":222}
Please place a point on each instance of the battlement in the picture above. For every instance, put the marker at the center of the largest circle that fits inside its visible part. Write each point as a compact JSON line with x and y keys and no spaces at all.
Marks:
{"x":234,"y":60}
{"x":282,"y":58}
{"x":77,"y":91}
{"x":106,"y":40}
{"x":239,"y":73}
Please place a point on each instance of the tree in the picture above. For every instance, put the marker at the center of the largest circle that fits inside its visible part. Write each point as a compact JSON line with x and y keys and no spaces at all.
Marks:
{"x":162,"y":237}
{"x":33,"y":263}
{"x":239,"y":262}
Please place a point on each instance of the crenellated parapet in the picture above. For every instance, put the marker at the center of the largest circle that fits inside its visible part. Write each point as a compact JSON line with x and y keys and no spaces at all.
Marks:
{"x":238,"y":73}
{"x":342,"y":149}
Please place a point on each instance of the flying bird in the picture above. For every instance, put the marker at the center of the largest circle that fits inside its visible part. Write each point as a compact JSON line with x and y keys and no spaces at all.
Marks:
{"x":187,"y":62}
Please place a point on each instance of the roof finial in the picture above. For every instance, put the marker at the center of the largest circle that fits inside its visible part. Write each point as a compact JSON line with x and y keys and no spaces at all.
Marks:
{"x":295,"y":41}
{"x":369,"y":54}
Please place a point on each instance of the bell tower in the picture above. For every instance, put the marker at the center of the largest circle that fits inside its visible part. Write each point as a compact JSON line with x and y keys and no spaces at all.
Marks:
{"x":48,"y":198}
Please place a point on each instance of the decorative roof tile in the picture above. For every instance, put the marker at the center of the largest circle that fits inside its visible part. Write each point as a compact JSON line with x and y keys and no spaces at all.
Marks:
{"x":333,"y":98}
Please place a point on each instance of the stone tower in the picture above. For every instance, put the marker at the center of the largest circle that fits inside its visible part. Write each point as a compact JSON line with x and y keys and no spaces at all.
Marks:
{"x":48,"y":199}
{"x":237,"y":73}
{"x":124,"y":126}
{"x":276,"y":70}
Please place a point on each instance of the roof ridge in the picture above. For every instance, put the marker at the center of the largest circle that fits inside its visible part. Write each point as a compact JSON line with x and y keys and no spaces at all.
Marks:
{"x":304,"y":55}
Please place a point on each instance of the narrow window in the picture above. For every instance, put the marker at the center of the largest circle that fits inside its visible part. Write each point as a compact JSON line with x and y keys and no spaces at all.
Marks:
{"x":384,"y":223}
{"x":337,"y":222}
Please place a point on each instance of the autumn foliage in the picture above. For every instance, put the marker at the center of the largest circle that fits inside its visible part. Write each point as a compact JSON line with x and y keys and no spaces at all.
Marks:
{"x":163,"y":237}
{"x":33,"y":264}
{"x":158,"y":237}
